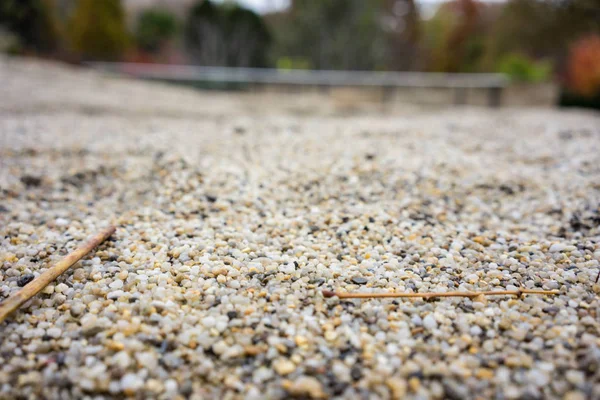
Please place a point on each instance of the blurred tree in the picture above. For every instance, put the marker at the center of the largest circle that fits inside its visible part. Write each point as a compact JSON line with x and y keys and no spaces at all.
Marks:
{"x":154,"y":28}
{"x":582,"y":87}
{"x":583,"y":67}
{"x":32,"y":21}
{"x":333,"y":34}
{"x":226,"y":35}
{"x":543,"y":28}
{"x":401,"y":22}
{"x":453,"y":37}
{"x":97,"y":29}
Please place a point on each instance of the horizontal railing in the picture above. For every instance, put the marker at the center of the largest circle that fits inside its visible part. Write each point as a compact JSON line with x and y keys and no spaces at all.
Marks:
{"x":387,"y":80}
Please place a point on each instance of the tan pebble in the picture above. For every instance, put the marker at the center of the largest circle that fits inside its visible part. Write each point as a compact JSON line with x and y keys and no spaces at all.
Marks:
{"x":484,"y":373}
{"x":253,"y":350}
{"x":301,"y":341}
{"x":231,"y":381}
{"x":574,"y":395}
{"x":414,"y":384}
{"x":114,"y":345}
{"x":482,"y":241}
{"x":480,"y":299}
{"x":306,"y":386}
{"x":79,"y":274}
{"x":10,"y":257}
{"x":283,"y":366}
{"x":48,"y":289}
{"x":281,"y":348}
{"x":398,"y":387}
{"x":505,"y":324}
{"x":512,"y":362}
{"x":154,"y":385}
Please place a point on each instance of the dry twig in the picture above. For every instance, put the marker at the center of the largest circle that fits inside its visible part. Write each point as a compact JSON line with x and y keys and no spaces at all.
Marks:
{"x":430,"y":295}
{"x":38,"y":284}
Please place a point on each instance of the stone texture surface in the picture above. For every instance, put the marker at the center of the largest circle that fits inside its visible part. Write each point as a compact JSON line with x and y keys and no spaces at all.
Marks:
{"x":235,"y":211}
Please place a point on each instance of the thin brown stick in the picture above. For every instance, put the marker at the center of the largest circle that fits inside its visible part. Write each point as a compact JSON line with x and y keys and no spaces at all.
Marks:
{"x":429,"y":295}
{"x":38,"y":284}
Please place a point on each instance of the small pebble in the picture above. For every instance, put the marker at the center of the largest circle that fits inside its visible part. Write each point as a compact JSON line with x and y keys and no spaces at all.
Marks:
{"x":25,"y":279}
{"x":359,"y":280}
{"x":284,"y":367}
{"x":131,"y":383}
{"x":429,"y":322}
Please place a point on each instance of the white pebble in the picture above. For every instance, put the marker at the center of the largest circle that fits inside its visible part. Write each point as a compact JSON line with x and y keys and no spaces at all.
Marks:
{"x":116,"y":284}
{"x":131,"y":382}
{"x":61,"y":222}
{"x":429,"y":322}
{"x":557,"y":247}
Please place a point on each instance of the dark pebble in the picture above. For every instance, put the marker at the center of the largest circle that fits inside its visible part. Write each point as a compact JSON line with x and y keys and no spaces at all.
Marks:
{"x":25,"y":279}
{"x":232,"y":314}
{"x":551,"y":310}
{"x":454,"y":391}
{"x":339,"y":388}
{"x":187,"y":388}
{"x":356,"y":373}
{"x":167,"y":345}
{"x":30,"y":180}
{"x":359,"y":280}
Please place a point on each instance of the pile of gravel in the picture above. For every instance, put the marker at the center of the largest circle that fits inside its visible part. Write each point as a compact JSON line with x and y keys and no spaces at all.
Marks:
{"x":230,"y":228}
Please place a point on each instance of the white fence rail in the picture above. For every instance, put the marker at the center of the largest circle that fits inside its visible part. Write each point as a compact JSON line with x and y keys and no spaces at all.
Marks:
{"x":388,"y":81}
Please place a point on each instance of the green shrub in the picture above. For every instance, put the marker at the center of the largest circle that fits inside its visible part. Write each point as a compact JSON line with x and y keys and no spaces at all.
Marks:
{"x":98,"y":29}
{"x":154,"y":28}
{"x":286,"y":63}
{"x":521,"y":68}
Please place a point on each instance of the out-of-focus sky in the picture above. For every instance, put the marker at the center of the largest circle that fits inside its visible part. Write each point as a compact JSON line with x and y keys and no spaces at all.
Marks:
{"x":264,"y":6}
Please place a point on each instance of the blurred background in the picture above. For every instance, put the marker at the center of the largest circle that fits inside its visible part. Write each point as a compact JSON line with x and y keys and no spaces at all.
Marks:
{"x":533,"y":42}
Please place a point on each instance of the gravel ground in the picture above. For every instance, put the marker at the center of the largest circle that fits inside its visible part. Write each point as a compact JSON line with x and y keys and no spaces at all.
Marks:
{"x":234,"y":212}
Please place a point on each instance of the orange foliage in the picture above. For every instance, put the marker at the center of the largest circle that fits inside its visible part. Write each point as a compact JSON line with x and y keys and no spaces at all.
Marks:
{"x":584,"y":66}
